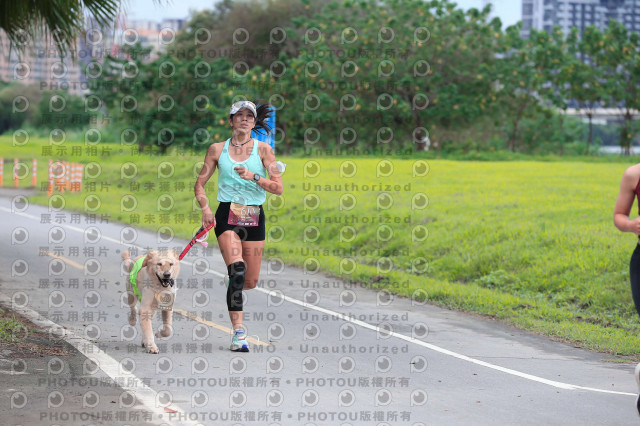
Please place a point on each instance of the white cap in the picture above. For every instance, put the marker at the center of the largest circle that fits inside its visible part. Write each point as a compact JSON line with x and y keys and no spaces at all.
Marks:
{"x":243,"y":104}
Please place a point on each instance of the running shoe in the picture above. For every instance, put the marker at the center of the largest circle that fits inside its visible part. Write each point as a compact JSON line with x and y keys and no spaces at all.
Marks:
{"x":239,"y":341}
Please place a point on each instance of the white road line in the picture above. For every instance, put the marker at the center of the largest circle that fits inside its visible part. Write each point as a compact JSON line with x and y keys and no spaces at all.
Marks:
{"x":556,"y":384}
{"x":104,"y":237}
{"x":435,"y":348}
{"x":143,"y":393}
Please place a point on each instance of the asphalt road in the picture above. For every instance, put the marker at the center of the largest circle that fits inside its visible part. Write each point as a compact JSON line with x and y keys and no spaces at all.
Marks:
{"x":328,"y":352}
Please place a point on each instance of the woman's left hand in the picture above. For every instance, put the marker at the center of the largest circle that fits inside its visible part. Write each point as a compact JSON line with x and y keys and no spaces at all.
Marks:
{"x":244,"y":173}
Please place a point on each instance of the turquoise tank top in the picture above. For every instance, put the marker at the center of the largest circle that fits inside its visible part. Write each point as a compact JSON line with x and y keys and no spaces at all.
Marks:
{"x":231,"y":187}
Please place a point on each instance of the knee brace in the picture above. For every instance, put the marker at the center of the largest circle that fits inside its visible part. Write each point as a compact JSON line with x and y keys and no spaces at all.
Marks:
{"x":237,"y":272}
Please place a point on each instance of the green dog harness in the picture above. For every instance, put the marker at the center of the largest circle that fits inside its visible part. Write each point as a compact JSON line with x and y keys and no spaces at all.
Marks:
{"x":134,"y":275}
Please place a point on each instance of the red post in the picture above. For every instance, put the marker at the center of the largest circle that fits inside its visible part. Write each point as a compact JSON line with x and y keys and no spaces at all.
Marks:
{"x":34,"y":174}
{"x":15,"y":172}
{"x":50,"y":179}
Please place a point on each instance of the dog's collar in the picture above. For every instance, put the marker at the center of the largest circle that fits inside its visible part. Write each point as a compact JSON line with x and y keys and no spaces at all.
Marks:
{"x":165,"y":283}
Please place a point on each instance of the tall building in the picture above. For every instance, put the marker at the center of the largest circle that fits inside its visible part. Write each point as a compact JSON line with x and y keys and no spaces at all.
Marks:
{"x":153,"y":34}
{"x":545,"y":14}
{"x":42,"y":64}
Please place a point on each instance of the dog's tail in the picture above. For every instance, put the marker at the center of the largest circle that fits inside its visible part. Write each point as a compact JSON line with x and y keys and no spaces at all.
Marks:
{"x":127,"y":263}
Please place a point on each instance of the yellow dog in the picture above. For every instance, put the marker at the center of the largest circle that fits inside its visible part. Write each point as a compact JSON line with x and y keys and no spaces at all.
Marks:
{"x":151,"y":280}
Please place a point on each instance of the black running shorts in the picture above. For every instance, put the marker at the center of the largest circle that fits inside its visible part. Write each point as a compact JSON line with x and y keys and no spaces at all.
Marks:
{"x":246,"y":233}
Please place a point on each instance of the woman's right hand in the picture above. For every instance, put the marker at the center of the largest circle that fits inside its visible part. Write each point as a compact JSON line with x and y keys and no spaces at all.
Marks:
{"x":207,"y":217}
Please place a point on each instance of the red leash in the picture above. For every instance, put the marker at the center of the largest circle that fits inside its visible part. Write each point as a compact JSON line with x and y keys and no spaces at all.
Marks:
{"x":201,"y":232}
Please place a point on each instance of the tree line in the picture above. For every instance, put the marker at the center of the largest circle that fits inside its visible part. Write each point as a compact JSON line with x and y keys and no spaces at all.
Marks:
{"x":359,"y":75}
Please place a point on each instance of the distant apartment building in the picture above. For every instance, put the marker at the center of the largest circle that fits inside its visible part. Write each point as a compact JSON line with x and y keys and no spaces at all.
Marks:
{"x":41,"y":63}
{"x":152,"y":34}
{"x":546,"y":14}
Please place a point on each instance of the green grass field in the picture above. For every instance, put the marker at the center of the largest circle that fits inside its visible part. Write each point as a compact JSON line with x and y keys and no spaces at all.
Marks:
{"x":527,"y":242}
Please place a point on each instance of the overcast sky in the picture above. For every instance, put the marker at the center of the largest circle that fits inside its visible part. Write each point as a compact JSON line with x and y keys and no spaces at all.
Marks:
{"x":509,"y":11}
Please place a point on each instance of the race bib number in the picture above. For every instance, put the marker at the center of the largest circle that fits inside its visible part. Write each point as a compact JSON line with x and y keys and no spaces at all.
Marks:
{"x":242,"y":215}
{"x":165,"y":300}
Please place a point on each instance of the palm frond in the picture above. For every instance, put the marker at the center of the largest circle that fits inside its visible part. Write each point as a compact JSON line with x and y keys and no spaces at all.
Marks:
{"x":59,"y":20}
